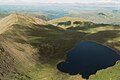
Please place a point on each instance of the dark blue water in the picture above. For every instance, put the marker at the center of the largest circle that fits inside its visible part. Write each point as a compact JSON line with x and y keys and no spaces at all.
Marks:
{"x":88,"y":57}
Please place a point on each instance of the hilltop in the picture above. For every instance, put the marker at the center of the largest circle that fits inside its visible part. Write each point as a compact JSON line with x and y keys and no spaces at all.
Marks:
{"x":67,"y":19}
{"x":67,"y":22}
{"x":16,"y":18}
{"x":21,"y":26}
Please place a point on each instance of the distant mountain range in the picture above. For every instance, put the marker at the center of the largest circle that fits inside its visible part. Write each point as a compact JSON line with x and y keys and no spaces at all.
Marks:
{"x":53,"y":11}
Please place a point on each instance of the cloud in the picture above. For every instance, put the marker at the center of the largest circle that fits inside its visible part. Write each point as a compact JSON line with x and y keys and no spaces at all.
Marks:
{"x":56,"y":1}
{"x":109,"y":1}
{"x":44,"y":1}
{"x":8,"y":1}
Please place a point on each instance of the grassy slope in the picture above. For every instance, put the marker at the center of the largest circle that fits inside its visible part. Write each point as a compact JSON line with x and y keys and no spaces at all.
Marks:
{"x":46,"y":45}
{"x":35,"y":44}
{"x":111,"y":73}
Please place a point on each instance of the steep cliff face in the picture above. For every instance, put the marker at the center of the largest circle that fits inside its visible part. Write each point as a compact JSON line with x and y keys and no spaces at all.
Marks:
{"x":11,"y":62}
{"x":17,"y":58}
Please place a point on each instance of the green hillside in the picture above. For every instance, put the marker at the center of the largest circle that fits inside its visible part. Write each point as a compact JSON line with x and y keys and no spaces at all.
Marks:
{"x":36,"y":47}
{"x":111,"y":73}
{"x":30,"y":48}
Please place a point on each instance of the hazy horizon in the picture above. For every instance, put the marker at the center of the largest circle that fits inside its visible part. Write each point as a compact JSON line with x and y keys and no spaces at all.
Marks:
{"x":31,"y":2}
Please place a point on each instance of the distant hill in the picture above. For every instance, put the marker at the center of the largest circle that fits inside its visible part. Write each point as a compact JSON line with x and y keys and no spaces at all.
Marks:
{"x":67,"y":22}
{"x":71,"y":23}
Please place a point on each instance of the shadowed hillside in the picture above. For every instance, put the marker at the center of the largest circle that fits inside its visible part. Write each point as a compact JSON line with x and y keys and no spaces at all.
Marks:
{"x":34,"y":47}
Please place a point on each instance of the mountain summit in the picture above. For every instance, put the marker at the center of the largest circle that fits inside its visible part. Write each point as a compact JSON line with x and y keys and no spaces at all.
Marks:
{"x":15,"y":18}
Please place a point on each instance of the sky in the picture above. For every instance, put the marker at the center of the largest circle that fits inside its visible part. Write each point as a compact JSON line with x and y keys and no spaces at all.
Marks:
{"x":56,"y":1}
